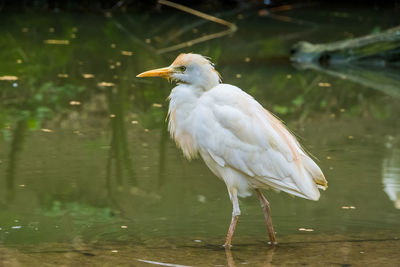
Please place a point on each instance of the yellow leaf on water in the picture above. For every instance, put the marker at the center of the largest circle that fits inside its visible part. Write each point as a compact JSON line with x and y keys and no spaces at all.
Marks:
{"x":87,"y":75}
{"x":8,"y":78}
{"x":348,"y":207}
{"x":105,"y":84}
{"x":126,"y":53}
{"x":57,"y":42}
{"x":306,"y":229}
{"x":324,"y":84}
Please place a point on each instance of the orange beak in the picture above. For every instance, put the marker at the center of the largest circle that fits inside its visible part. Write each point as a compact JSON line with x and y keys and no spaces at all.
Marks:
{"x":163,"y":72}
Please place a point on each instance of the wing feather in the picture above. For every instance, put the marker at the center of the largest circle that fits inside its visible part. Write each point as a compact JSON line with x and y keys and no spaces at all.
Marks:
{"x":238,"y":132}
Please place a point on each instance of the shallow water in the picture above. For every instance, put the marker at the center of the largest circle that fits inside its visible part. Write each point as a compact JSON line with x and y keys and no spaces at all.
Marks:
{"x":88,"y":174}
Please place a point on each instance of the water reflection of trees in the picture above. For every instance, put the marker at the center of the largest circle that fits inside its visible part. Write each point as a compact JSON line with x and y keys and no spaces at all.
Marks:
{"x":18,"y":137}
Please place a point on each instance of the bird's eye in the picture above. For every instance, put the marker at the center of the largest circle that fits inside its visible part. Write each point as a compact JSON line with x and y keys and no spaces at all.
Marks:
{"x":182,"y":68}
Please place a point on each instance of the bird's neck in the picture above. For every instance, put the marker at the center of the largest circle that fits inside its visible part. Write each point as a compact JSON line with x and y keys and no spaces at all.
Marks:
{"x":185,"y":95}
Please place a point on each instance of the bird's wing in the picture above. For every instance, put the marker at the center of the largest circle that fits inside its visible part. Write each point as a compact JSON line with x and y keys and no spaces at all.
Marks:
{"x":238,"y":132}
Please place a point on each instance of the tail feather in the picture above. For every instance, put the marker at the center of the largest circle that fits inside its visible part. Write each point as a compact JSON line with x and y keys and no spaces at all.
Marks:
{"x":315,"y":172}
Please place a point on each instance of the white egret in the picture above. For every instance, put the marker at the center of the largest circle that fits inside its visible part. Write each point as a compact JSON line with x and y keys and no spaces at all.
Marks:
{"x":240,"y":141}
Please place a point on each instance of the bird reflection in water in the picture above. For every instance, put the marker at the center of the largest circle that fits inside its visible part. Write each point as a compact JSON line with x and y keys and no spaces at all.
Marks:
{"x":391,"y":171}
{"x":269,"y":253}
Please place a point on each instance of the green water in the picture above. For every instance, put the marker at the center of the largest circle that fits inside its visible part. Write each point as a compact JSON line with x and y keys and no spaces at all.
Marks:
{"x":89,"y":176}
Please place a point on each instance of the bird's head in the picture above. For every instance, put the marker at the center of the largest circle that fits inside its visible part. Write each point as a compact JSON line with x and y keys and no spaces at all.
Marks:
{"x":192,"y":69}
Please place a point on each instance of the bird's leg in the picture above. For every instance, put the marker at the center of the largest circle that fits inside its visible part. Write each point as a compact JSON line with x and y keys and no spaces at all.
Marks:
{"x":267,"y":214}
{"x":235,"y":217}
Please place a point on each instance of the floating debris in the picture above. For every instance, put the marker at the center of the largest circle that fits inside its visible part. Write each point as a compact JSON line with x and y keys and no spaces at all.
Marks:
{"x":114,"y":251}
{"x":46,"y":130}
{"x":113,"y":115}
{"x":328,"y":157}
{"x":288,"y":76}
{"x":19,"y":61}
{"x":87,"y":75}
{"x":16,"y":227}
{"x":8,"y":78}
{"x":74,"y":103}
{"x":306,"y":229}
{"x":113,"y":45}
{"x":118,"y":63}
{"x":134,"y":122}
{"x":112,"y":67}
{"x":126,"y":53}
{"x":62,"y":75}
{"x":348,"y":207}
{"x":342,"y":110}
{"x":247,"y":59}
{"x":162,"y":263}
{"x":124,"y":226}
{"x":21,"y":185}
{"x":148,"y":41}
{"x":350,"y":137}
{"x":57,"y":42}
{"x":201,"y":198}
{"x":105,"y":84}
{"x":238,"y":75}
{"x":324,"y":84}
{"x":146,"y":130}
{"x":197,"y":240}
{"x":156,"y":105}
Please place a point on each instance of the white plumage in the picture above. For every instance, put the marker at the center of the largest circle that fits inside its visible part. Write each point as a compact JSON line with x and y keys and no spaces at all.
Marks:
{"x":241,"y":142}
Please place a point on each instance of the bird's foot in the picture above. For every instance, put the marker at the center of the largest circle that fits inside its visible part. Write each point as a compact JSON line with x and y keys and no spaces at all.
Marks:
{"x":227,"y":246}
{"x":272,"y":243}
